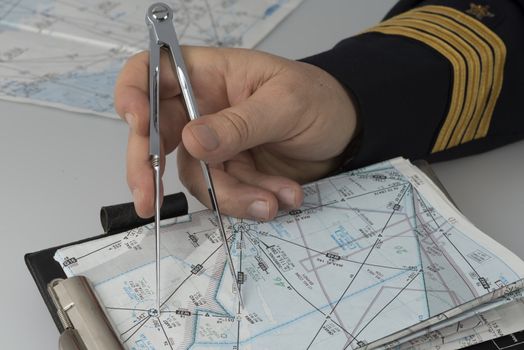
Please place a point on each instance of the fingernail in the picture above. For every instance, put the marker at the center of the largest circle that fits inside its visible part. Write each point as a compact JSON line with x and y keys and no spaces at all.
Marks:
{"x":287,"y":196}
{"x":130,"y":119}
{"x":259,"y":209}
{"x":205,"y":136}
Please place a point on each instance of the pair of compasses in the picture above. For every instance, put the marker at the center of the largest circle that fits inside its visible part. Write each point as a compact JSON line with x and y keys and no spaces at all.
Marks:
{"x":162,"y":35}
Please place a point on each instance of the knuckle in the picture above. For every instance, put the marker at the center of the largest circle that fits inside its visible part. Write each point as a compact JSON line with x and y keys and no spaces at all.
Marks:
{"x":237,"y":126}
{"x":285,"y":90}
{"x":294,"y":97}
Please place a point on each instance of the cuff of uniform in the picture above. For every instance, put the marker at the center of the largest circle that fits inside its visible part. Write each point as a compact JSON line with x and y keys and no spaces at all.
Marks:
{"x":401,"y":89}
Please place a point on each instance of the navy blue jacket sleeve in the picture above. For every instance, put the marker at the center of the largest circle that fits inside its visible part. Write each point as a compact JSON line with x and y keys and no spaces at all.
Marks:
{"x":436,"y":79}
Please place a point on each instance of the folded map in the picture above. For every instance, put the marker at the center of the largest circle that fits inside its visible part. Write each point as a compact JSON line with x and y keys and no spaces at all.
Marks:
{"x":374,"y":256}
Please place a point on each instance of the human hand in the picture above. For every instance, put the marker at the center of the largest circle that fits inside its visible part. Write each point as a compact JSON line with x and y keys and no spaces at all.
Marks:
{"x":267,"y":125}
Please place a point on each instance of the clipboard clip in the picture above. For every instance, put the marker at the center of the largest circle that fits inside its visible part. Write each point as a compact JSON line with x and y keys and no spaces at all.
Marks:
{"x":86,"y":326}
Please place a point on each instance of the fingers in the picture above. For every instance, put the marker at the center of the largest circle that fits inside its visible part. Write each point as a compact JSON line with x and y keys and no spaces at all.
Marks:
{"x":132,"y":90}
{"x":131,"y":93}
{"x":259,"y":119}
{"x":236,"y":197}
{"x":172,"y":120}
{"x":140,"y":176}
{"x":139,"y":171}
{"x":132,"y":103}
{"x":288,"y":192}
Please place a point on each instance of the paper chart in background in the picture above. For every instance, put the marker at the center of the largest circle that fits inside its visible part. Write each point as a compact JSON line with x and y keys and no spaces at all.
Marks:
{"x":67,"y":53}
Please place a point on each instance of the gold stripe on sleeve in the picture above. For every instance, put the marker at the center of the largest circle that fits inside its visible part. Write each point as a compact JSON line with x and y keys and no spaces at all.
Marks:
{"x":458,"y":63}
{"x":479,"y":56}
{"x":449,"y":137}
{"x":477,"y":60}
{"x":499,"y":58}
{"x":483,"y":51}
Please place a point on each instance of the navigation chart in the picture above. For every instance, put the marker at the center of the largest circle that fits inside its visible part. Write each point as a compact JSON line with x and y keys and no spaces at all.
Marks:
{"x":373,"y":255}
{"x":67,"y":53}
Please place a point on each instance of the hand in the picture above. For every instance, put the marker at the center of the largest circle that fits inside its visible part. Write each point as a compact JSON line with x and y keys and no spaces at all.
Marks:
{"x":268,"y":124}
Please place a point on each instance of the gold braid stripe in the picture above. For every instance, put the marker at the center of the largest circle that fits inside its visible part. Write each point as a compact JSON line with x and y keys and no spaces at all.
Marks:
{"x":457,"y":61}
{"x":473,"y":47}
{"x":483,"y":50}
{"x":467,"y":108}
{"x":477,"y":57}
{"x":499,"y":53}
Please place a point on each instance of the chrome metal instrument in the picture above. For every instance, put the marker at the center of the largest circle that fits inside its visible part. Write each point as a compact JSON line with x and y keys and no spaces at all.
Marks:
{"x":85,"y":324}
{"x":162,"y":35}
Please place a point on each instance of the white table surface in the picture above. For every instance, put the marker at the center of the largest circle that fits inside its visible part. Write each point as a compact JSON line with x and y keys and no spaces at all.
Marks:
{"x":59,"y":168}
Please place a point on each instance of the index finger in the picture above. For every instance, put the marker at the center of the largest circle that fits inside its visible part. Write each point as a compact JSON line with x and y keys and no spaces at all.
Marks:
{"x":132,"y":90}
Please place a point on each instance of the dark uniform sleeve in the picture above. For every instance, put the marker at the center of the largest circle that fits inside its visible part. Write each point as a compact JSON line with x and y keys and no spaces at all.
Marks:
{"x":435,"y":80}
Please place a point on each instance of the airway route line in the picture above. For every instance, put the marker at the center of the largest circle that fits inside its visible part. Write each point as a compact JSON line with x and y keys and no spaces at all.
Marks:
{"x":378,"y":190}
{"x":405,"y":190}
{"x":362,"y":237}
{"x":184,"y":281}
{"x":99,"y":249}
{"x":304,"y":208}
{"x":125,"y":309}
{"x":94,"y":251}
{"x":429,"y":234}
{"x":394,"y":287}
{"x":344,"y":293}
{"x":296,"y":291}
{"x":446,"y":236}
{"x":315,"y":271}
{"x":453,"y":295}
{"x":416,"y":212}
{"x":165,"y":334}
{"x":341,"y":257}
{"x":451,"y":263}
{"x":239,"y":307}
{"x":383,"y":308}
{"x":394,"y":210}
{"x":141,"y":323}
{"x":136,"y":324}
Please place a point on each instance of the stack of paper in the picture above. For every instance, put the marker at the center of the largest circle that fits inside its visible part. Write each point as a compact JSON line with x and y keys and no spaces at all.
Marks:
{"x":376,"y":257}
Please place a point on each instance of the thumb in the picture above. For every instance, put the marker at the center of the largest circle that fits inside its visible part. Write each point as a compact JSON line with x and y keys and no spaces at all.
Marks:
{"x":265,"y":117}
